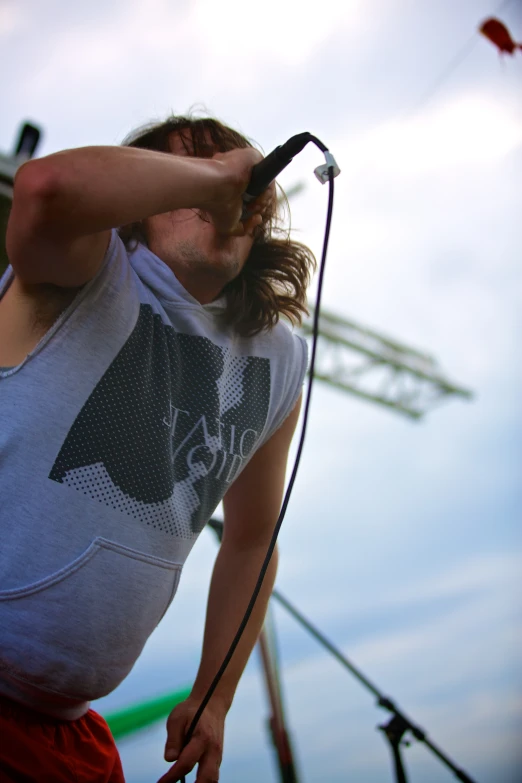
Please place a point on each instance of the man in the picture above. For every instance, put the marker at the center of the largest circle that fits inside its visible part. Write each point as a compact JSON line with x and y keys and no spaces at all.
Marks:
{"x":145,"y":377}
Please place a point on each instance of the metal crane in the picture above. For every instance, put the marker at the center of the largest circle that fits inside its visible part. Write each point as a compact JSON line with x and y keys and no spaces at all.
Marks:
{"x":360,"y":361}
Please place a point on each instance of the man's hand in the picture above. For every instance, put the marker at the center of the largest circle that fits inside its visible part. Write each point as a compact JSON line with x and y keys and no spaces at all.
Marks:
{"x":205,"y":747}
{"x":226,"y":209}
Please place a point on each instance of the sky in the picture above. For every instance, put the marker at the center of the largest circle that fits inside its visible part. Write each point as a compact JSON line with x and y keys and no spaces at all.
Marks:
{"x":402,"y":540}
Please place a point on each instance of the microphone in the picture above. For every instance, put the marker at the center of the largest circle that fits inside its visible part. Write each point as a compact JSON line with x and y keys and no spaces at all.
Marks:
{"x":267,"y":170}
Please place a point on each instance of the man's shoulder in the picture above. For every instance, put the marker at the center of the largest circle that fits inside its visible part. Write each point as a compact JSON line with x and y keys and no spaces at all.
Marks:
{"x":282,"y":337}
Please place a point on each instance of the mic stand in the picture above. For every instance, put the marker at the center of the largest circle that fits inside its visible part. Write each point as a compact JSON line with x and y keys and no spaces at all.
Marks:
{"x":398,"y":724}
{"x":394,"y":731}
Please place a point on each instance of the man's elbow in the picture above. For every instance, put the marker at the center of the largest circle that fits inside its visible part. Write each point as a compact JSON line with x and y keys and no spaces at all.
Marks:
{"x":35,"y":180}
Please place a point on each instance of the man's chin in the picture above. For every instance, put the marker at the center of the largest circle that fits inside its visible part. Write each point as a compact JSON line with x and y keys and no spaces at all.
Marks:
{"x":227,"y":269}
{"x":226,"y":261}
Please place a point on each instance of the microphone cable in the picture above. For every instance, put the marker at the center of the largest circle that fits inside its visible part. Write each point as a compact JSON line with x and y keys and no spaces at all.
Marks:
{"x":324,"y":173}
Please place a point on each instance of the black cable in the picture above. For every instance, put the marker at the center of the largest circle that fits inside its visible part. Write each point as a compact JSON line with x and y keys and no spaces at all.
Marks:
{"x":273,"y":541}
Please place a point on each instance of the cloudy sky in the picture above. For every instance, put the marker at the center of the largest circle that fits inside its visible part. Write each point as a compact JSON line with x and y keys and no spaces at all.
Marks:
{"x":402,"y":541}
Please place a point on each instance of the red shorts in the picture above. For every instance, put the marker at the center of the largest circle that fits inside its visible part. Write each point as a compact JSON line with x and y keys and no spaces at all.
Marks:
{"x":36,"y":748}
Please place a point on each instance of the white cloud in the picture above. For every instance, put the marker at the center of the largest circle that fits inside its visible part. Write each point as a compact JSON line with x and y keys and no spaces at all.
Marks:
{"x":284,"y":33}
{"x":12,"y":18}
{"x":470,"y":130}
{"x":483,"y":573}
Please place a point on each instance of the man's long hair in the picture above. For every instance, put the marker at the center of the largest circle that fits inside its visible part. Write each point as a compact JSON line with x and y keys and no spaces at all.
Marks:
{"x":274,"y":280}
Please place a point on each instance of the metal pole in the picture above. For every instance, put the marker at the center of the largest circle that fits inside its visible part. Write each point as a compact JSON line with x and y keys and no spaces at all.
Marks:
{"x":277,"y":727}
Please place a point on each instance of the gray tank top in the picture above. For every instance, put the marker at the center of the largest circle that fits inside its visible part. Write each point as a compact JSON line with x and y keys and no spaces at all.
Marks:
{"x":119,"y":435}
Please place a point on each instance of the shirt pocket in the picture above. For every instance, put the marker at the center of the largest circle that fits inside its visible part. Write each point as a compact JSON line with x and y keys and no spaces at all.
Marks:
{"x":79,"y":631}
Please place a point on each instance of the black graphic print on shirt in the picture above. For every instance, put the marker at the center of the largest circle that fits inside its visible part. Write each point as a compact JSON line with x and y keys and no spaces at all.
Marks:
{"x":167,"y":428}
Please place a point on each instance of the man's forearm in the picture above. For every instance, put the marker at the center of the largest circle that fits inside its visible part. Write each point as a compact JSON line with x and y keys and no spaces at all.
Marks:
{"x":98,"y":188}
{"x":233,"y":581}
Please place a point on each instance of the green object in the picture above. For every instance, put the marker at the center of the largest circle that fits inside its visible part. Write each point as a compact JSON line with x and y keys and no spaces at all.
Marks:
{"x":139,"y":716}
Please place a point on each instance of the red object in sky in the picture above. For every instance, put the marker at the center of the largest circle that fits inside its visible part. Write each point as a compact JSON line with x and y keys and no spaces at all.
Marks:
{"x":499,"y":35}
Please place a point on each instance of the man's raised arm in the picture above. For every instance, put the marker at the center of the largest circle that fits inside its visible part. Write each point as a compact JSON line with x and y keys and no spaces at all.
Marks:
{"x":65,"y":204}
